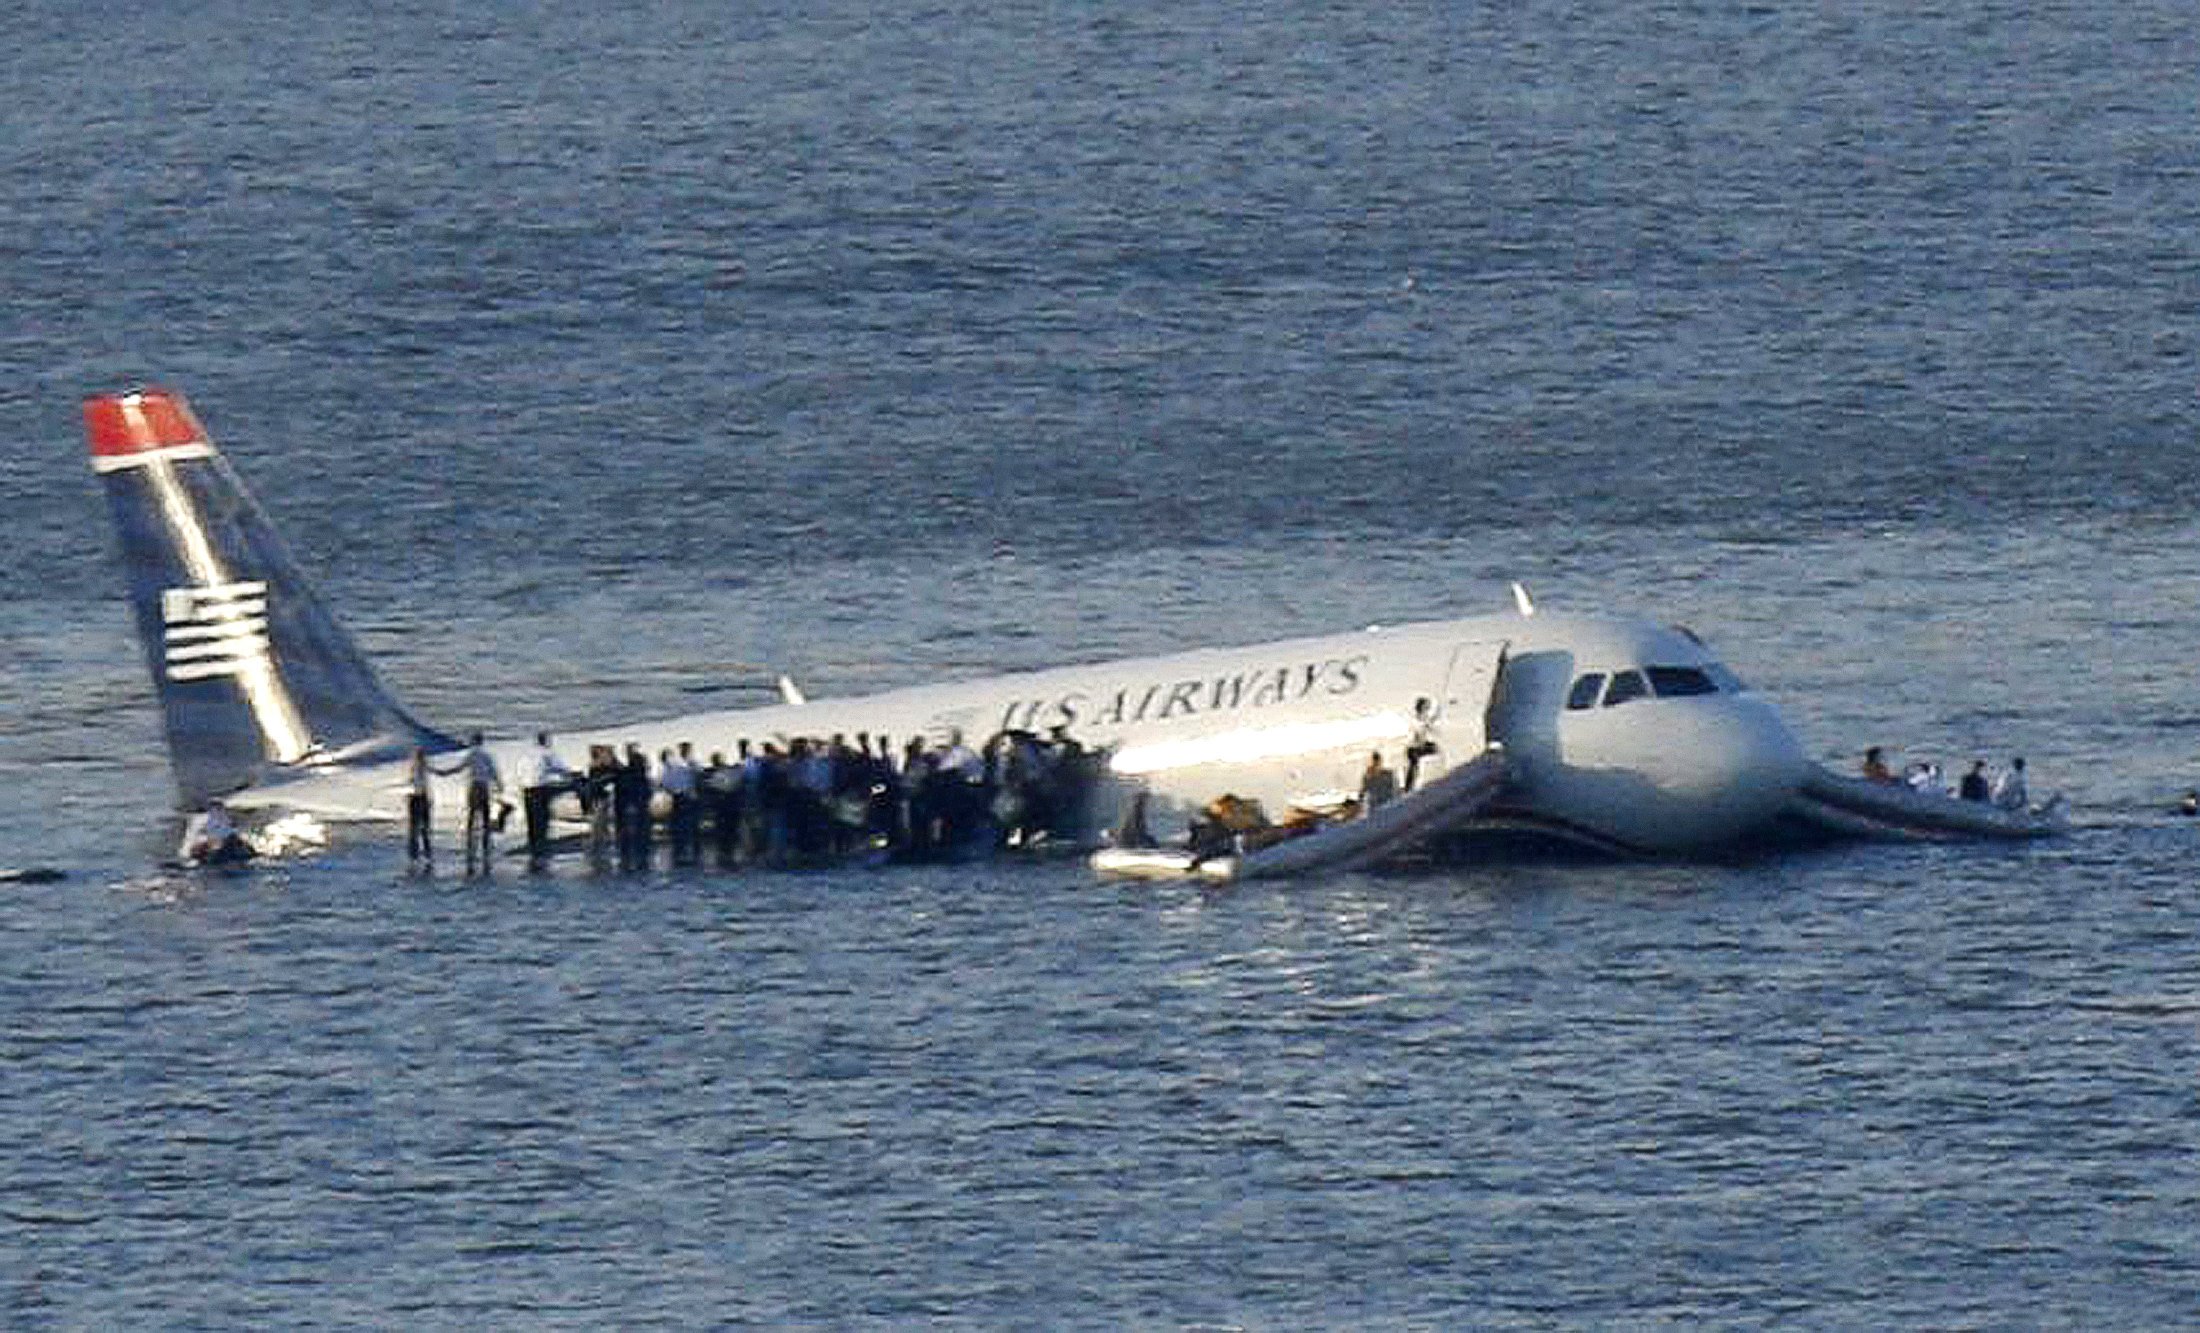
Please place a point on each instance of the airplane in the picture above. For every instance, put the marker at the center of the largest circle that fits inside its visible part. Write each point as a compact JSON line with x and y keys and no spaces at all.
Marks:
{"x":1617,"y":733}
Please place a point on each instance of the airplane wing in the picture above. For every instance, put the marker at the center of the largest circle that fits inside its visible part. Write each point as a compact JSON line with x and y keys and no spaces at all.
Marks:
{"x":1861,"y":808}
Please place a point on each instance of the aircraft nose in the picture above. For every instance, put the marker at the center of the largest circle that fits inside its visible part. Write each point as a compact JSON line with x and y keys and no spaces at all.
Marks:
{"x":1737,"y":768}
{"x":1766,"y":762}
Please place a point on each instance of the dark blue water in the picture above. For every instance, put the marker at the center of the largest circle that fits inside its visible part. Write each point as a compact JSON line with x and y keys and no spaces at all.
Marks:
{"x":606,"y":363}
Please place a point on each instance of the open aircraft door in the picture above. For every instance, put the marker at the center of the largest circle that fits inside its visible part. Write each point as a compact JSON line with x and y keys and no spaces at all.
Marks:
{"x":1465,"y":719}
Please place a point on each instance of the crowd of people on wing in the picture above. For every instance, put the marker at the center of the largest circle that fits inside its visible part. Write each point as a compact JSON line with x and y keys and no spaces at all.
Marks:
{"x":2006,"y":789}
{"x":804,"y":801}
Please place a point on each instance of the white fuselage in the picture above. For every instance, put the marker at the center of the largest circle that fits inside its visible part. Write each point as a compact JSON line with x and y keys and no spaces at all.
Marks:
{"x":1698,"y":763}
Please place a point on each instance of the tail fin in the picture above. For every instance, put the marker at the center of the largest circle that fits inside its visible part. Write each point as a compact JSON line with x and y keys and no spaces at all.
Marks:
{"x":254,"y":676}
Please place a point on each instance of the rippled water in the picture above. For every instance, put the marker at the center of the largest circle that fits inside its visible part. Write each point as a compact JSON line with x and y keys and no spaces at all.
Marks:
{"x":605,"y":364}
{"x":1888,"y":1085}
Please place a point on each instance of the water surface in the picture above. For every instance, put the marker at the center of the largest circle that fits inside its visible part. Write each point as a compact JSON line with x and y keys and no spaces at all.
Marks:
{"x":606,"y":364}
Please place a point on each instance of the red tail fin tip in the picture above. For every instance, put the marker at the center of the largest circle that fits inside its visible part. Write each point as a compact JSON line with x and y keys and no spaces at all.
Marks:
{"x":120,"y":425}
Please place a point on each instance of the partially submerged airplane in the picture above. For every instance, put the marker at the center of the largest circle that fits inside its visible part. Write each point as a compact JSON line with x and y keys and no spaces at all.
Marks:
{"x":1616,"y":733}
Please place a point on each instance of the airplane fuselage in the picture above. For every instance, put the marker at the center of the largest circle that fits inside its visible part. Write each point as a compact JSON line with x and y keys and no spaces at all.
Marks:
{"x":1703,"y":763}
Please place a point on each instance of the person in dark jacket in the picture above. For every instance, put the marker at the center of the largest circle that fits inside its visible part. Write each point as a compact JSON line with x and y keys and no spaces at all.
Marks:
{"x":599,"y":797}
{"x":631,"y":791}
{"x":1975,"y":786}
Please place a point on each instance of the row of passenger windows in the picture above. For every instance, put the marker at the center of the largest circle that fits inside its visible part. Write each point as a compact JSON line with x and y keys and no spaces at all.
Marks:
{"x":1666,"y":682}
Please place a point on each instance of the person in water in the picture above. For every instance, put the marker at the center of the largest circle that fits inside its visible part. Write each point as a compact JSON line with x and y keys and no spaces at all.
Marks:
{"x":213,"y":839}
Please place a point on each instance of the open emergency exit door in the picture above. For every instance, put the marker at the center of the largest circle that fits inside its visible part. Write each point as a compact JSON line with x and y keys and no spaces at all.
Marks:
{"x":1465,"y":721}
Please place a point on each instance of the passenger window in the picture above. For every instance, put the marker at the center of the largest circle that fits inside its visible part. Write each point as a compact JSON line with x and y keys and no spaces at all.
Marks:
{"x":1585,"y":692}
{"x":1679,"y":682}
{"x":1726,"y":680}
{"x":1626,"y":685}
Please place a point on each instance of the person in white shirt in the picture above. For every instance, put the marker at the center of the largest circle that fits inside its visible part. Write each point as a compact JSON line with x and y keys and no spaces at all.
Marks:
{"x":483,"y":784}
{"x":2009,"y":789}
{"x":547,"y":775}
{"x":961,"y":760}
{"x":676,"y":775}
{"x":1421,"y":743}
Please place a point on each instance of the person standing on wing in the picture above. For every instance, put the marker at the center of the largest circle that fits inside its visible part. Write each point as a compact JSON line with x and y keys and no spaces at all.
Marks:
{"x":598,"y":798}
{"x":419,"y":813}
{"x":547,"y":776}
{"x":631,"y":790}
{"x":483,"y":784}
{"x":676,"y":775}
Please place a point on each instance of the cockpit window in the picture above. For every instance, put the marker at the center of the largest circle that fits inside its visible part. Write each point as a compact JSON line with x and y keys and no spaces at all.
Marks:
{"x":1625,"y":686}
{"x":1665,"y":682}
{"x":1585,"y":691}
{"x":1673,"y":682}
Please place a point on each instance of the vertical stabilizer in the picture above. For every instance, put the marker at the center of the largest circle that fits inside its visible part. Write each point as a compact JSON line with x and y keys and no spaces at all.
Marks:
{"x":254,"y":676}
